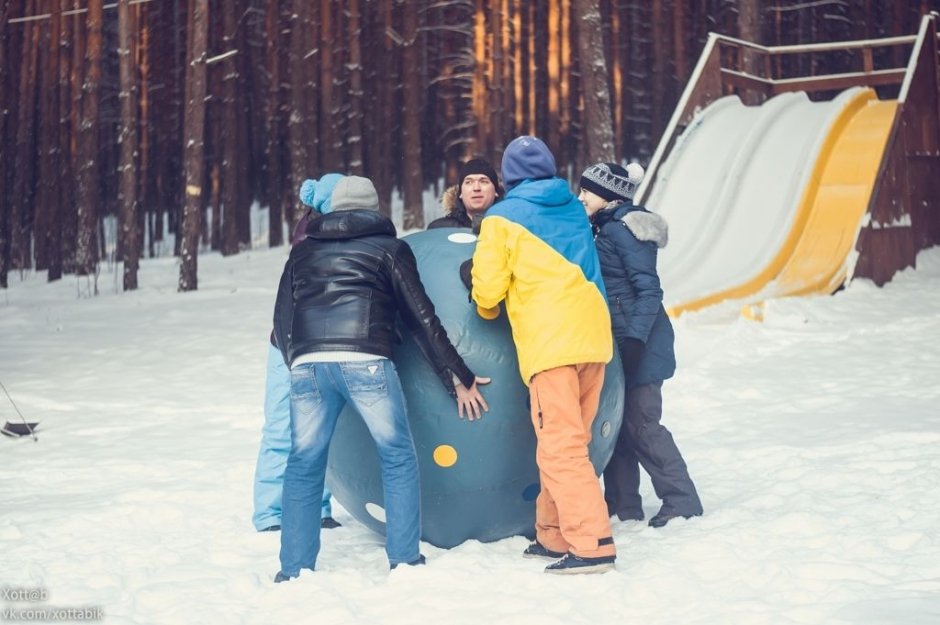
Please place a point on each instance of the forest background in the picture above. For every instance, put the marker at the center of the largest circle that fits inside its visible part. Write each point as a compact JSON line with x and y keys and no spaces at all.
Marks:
{"x":171,"y":119}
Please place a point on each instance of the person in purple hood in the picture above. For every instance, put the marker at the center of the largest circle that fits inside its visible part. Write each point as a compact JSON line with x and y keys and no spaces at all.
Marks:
{"x":275,"y":435}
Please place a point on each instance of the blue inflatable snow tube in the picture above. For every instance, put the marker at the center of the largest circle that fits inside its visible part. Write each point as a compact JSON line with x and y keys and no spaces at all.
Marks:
{"x":479,"y":479}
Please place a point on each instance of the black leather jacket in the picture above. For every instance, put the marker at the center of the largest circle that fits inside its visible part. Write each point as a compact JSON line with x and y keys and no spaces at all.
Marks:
{"x":342,"y":287}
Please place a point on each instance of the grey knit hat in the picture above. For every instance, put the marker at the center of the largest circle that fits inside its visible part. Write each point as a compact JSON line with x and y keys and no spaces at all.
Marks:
{"x":354,"y":192}
{"x":612,"y":182}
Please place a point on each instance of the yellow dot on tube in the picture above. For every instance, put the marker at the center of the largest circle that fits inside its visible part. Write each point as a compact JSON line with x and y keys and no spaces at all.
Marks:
{"x":445,"y":455}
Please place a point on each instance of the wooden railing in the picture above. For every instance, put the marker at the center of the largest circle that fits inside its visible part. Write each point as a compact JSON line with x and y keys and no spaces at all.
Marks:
{"x":750,"y":67}
{"x":904,"y":209}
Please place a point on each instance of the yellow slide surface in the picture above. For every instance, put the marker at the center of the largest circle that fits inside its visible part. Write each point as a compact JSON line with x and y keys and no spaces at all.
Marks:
{"x":837,"y":199}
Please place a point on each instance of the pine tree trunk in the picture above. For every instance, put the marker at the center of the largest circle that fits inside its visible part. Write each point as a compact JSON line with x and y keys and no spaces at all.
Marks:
{"x":246,"y":172}
{"x":250,"y":38}
{"x":509,"y":97}
{"x":194,"y":143}
{"x":330,"y":156}
{"x":212,"y":180}
{"x":272,"y":114}
{"x":611,"y":16}
{"x":555,"y":35}
{"x":6,"y":105}
{"x":64,"y":186}
{"x":479,"y":94}
{"x":65,"y":225}
{"x":658,"y":113}
{"x":540,"y":67}
{"x":458,"y":119}
{"x":228,"y":134}
{"x":519,"y":68}
{"x":24,"y":171}
{"x":598,"y":127}
{"x":46,"y":224}
{"x":530,"y":64}
{"x":86,"y":248}
{"x":679,"y":35}
{"x":569,"y":99}
{"x":355,"y":95}
{"x":638,"y":80}
{"x":497,"y":93}
{"x":301,"y":104}
{"x":145,"y":205}
{"x":214,"y":140}
{"x":386,"y":103}
{"x":127,"y":194}
{"x":413,"y":183}
{"x":173,"y":174}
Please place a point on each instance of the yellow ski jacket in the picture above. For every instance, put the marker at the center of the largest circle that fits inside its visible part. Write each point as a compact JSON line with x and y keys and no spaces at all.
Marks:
{"x":536,"y":251}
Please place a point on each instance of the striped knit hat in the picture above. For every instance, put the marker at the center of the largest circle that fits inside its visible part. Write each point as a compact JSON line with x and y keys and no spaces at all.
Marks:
{"x":612,"y":182}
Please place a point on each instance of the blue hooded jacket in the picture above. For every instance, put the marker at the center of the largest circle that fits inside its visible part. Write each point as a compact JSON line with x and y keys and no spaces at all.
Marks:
{"x":627,"y":239}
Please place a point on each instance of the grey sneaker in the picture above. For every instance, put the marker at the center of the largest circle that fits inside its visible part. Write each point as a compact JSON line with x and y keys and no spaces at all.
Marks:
{"x":538,"y":550}
{"x":571,"y":564}
{"x":662,"y":518}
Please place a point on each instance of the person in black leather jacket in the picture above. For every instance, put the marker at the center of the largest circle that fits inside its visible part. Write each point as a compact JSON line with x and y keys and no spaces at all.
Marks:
{"x":334,"y":321}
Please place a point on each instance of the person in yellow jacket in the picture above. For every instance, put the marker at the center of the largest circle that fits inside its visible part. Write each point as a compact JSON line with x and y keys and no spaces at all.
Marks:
{"x":536,"y":252}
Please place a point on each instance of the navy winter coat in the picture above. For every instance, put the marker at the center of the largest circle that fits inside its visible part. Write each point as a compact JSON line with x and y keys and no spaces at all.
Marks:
{"x":627,"y":238}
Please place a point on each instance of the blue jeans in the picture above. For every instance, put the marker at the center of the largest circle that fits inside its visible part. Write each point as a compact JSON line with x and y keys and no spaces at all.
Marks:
{"x":319,"y":392}
{"x":275,"y":446}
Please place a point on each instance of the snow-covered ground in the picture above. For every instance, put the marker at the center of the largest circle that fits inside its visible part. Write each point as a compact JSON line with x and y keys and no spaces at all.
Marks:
{"x":813,"y":438}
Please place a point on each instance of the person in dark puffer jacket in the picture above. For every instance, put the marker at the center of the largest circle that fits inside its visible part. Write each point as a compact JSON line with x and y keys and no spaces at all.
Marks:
{"x":334,"y":321}
{"x":465,"y":203}
{"x":627,"y":238}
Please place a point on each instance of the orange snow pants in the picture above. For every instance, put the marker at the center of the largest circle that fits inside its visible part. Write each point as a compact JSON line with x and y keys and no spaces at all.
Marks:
{"x":570,"y":513}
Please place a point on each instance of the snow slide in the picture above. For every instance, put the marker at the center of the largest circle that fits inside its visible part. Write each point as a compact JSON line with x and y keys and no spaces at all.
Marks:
{"x":767,"y":201}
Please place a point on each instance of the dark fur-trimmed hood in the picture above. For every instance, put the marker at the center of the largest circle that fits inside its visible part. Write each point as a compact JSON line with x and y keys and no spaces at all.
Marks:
{"x":450,"y":200}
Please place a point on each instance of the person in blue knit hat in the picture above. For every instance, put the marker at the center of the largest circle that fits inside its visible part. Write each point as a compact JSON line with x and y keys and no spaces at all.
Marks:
{"x":316,"y":195}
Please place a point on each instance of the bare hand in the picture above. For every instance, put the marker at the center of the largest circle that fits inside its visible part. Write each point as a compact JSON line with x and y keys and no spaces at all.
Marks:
{"x":470,"y":401}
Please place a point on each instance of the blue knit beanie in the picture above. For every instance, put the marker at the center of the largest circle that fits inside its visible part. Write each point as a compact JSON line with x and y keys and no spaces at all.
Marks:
{"x":317,"y":193}
{"x":527,"y":157}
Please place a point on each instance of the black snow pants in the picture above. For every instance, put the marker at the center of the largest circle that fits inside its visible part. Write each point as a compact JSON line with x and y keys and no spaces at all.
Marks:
{"x":645,"y":441}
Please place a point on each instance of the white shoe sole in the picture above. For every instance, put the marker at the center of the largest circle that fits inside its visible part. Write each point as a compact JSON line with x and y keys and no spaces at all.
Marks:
{"x":583,"y":570}
{"x":533,"y":556}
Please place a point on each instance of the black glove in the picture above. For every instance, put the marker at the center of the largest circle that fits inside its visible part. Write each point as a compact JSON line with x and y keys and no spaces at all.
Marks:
{"x":465,"y":268}
{"x":631,"y":351}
